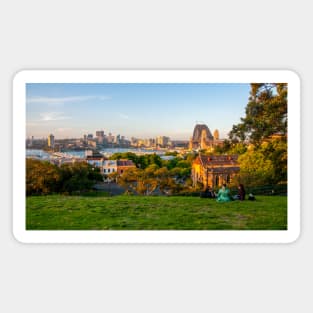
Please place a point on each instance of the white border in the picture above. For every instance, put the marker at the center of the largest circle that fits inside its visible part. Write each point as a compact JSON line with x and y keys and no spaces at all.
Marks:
{"x":155,"y":76}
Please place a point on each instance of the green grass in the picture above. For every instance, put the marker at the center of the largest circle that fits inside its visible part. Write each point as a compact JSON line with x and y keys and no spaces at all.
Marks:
{"x":154,"y":213}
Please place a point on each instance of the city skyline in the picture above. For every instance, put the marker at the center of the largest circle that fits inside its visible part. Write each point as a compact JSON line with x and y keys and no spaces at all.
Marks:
{"x":142,"y":110}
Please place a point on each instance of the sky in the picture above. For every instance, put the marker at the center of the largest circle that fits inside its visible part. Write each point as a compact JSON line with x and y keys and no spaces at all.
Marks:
{"x":143,"y":110}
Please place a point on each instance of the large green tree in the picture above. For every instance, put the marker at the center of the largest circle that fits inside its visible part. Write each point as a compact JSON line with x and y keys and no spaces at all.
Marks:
{"x":266,"y":114}
{"x":255,"y":169}
{"x":41,"y":177}
{"x":147,"y":181}
{"x":264,"y":164}
{"x":78,"y":176}
{"x":44,"y":177}
{"x":139,"y":181}
{"x":264,"y":131}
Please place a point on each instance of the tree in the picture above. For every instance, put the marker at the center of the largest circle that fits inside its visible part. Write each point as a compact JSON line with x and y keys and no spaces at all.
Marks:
{"x":163,"y":179}
{"x":154,"y":159}
{"x":266,"y":114}
{"x":172,"y":153}
{"x":170,"y":164}
{"x":255,"y":169}
{"x":78,"y":176}
{"x":191,"y":157}
{"x":149,"y":159}
{"x":148,"y":180}
{"x":41,"y":177}
{"x":275,"y":150}
{"x":224,"y":148}
{"x":166,"y":181}
{"x":141,"y":161}
{"x":265,"y":128}
{"x":125,"y":155}
{"x":44,"y":177}
{"x":128,"y":180}
{"x":139,"y":181}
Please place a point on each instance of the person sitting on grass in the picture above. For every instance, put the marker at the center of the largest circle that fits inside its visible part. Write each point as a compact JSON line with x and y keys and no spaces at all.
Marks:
{"x":241,"y":192}
{"x":207,"y":193}
{"x":224,"y":194}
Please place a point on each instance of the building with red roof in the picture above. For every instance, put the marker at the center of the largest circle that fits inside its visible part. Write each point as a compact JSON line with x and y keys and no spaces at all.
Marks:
{"x":214,"y":170}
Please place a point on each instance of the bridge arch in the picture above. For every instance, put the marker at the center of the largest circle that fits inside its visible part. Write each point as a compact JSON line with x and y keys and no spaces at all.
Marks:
{"x":198,"y":131}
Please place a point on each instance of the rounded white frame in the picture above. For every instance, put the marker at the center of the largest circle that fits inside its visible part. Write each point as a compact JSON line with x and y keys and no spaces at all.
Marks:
{"x":155,"y":76}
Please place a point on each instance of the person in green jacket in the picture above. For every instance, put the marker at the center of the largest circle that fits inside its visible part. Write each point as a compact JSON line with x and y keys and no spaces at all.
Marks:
{"x":224,"y":194}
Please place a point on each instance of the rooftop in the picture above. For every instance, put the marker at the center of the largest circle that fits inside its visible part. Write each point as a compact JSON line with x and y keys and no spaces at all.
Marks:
{"x":216,"y":160}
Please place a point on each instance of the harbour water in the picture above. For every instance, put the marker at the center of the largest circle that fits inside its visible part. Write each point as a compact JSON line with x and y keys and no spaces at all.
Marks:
{"x":43,"y":155}
{"x":38,"y":154}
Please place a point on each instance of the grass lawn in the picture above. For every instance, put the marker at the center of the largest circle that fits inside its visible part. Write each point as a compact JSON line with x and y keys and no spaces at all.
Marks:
{"x":154,"y":213}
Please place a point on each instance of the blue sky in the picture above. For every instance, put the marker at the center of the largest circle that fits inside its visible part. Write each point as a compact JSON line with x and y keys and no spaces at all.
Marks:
{"x":139,"y":110}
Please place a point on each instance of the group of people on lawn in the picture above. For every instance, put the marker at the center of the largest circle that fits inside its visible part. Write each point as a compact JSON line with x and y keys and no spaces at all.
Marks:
{"x":224,"y":194}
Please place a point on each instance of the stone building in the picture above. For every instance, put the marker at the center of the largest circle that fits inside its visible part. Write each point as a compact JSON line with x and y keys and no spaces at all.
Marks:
{"x":214,"y":170}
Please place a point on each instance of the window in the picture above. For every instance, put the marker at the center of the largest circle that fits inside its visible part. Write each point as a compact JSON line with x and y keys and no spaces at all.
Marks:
{"x":104,"y":170}
{"x":109,"y":170}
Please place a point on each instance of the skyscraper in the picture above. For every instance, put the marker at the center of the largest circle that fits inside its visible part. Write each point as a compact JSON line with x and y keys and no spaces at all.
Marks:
{"x":162,"y":141}
{"x":51,"y":141}
{"x":100,"y":136}
{"x":99,"y":133}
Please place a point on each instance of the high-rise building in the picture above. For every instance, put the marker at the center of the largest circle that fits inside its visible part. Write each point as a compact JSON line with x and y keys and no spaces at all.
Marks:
{"x":149,"y":142}
{"x":118,"y":139}
{"x":162,"y":141}
{"x":134,"y":141}
{"x":110,"y":138}
{"x":99,"y":133}
{"x":51,"y":141}
{"x":100,"y":136}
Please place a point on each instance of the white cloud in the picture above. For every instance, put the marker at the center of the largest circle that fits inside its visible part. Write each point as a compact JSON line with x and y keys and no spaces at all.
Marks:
{"x":53,"y":116}
{"x":63,"y":100}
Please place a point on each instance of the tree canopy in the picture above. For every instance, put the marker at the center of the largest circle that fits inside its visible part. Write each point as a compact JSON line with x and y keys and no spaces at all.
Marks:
{"x":260,"y":139}
{"x":45,"y":178}
{"x":151,"y":179}
{"x":266,"y":114}
{"x":154,"y":175}
{"x":141,"y":161}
